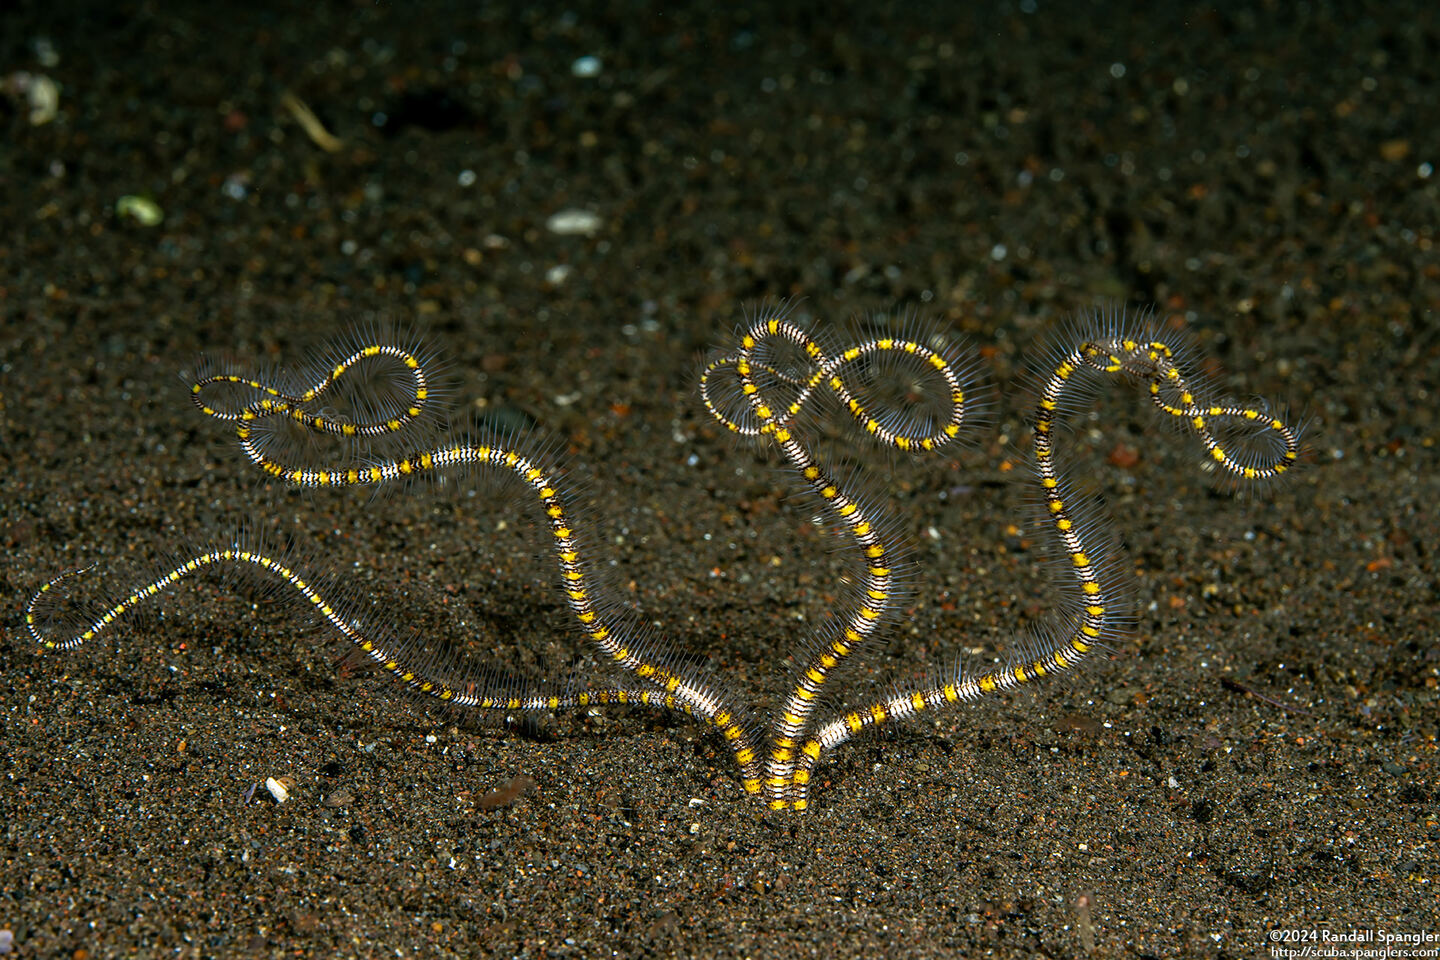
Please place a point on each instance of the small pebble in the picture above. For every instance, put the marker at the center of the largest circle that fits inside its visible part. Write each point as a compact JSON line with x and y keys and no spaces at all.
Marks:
{"x":573,"y":221}
{"x":40,"y":95}
{"x":142,"y":210}
{"x":43,"y":98}
{"x":45,"y":52}
{"x":586,"y":67}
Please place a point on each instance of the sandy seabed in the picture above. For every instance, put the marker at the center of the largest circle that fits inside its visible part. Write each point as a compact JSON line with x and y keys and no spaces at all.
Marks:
{"x":1259,"y":759}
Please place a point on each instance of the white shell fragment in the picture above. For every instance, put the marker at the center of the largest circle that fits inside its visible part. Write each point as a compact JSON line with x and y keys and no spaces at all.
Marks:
{"x":36,"y":92}
{"x":277,"y":789}
{"x":43,"y":97}
{"x":142,"y":210}
{"x":573,"y":221}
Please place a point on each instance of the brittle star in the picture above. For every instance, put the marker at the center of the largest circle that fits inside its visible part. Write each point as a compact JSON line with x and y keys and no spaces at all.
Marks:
{"x":765,"y":388}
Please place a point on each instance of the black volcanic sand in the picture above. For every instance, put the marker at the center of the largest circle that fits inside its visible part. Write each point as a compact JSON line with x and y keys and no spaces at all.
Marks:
{"x":1260,"y":757}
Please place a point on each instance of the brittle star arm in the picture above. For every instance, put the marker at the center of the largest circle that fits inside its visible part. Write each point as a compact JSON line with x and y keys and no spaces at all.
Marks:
{"x":775,"y":420}
{"x":372,"y":637}
{"x":660,"y":681}
{"x":1094,"y":613}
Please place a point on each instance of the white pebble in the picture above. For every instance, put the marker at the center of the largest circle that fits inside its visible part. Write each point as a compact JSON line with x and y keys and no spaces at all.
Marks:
{"x":43,"y":98}
{"x":142,"y":210}
{"x":574,"y":221}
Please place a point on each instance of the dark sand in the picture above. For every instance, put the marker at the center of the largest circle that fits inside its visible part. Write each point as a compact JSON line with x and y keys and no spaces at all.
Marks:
{"x":1260,"y":175}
